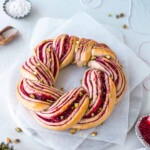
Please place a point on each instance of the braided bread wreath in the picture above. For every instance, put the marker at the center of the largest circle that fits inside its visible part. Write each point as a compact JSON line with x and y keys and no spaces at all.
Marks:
{"x":87,"y":106}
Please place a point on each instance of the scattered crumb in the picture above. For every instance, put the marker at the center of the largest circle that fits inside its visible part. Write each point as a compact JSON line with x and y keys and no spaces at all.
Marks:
{"x":93,"y":133}
{"x":109,"y":15}
{"x":73,"y":131}
{"x":125,"y":26}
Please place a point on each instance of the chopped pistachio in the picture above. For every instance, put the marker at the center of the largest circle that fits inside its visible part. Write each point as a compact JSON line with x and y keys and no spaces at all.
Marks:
{"x":3,"y":146}
{"x":107,"y":56}
{"x":19,"y":129}
{"x":93,"y":133}
{"x":77,"y":42}
{"x":99,"y":109}
{"x":44,"y":42}
{"x":81,"y":45}
{"x":16,"y":141}
{"x":109,"y":15}
{"x":47,"y":69}
{"x":93,"y":58}
{"x":80,"y":134}
{"x":89,"y":44}
{"x":76,"y":105}
{"x":38,"y":64}
{"x":71,"y":41}
{"x":87,"y":110}
{"x":35,"y":73}
{"x":34,"y":67}
{"x":61,"y":117}
{"x":73,"y":131}
{"x":125,"y":26}
{"x":117,"y":16}
{"x":80,"y":94}
{"x":48,"y":49}
{"x":48,"y":100}
{"x":41,"y":80}
{"x":111,"y":77}
{"x":8,"y":140}
{"x":90,"y":98}
{"x":62,"y":89}
{"x":122,"y":15}
{"x":81,"y":81}
{"x":92,"y":114}
{"x":76,"y":49}
{"x":32,"y":96}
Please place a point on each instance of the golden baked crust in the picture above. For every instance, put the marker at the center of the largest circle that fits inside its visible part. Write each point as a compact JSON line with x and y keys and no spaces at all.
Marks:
{"x":83,"y":51}
{"x":87,"y":106}
{"x":101,"y":49}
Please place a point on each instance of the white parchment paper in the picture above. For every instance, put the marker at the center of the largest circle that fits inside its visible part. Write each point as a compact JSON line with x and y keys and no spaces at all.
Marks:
{"x":114,"y":130}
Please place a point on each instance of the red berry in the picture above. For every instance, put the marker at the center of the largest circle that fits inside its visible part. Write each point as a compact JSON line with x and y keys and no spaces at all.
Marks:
{"x":148,"y":120}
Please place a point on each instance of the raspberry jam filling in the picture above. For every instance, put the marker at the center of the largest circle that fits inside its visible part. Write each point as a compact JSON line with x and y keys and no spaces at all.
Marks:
{"x":96,"y":109}
{"x":81,"y":46}
{"x":42,"y":71}
{"x":65,"y":114}
{"x":41,"y":57}
{"x":55,"y":65}
{"x":144,"y":128}
{"x":112,"y":66}
{"x":38,"y":96}
{"x":117,"y":73}
{"x":66,"y":48}
{"x":41,"y":50}
{"x":57,"y":46}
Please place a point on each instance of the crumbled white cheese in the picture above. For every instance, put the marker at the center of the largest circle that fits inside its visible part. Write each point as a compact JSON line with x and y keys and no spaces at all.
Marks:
{"x":18,"y":8}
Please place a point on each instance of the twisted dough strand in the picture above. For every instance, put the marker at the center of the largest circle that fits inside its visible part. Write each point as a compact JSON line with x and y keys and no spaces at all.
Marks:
{"x":45,"y":53}
{"x":114,"y":70}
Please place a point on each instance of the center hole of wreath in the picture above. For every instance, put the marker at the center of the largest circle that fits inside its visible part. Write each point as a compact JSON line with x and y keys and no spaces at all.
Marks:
{"x":70,"y":77}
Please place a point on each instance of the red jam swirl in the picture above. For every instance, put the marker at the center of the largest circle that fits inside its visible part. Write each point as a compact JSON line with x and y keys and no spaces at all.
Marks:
{"x":102,"y":98}
{"x":41,"y":50}
{"x":65,"y":114}
{"x":114,"y":67}
{"x":66,"y":47}
{"x":144,"y":128}
{"x":37,"y":96}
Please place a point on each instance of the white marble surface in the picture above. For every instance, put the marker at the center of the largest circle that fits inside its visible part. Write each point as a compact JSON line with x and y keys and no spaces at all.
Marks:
{"x":140,"y":20}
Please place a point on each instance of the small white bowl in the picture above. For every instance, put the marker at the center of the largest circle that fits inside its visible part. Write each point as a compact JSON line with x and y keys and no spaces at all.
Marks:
{"x":13,"y":16}
{"x":138,"y":133}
